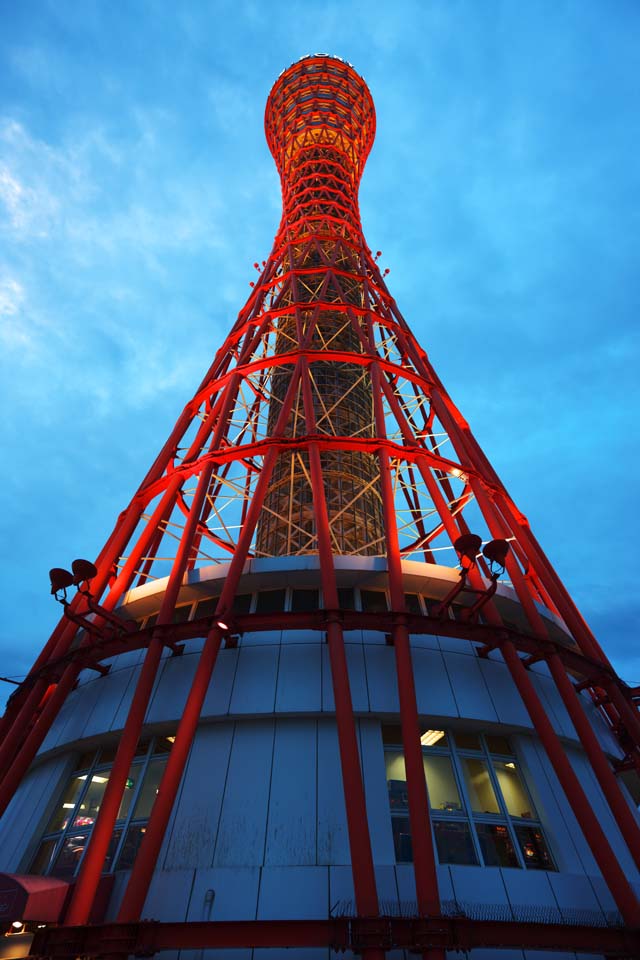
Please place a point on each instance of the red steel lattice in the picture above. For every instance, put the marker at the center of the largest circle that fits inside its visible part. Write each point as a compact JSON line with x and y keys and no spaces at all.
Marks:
{"x":322,"y":428}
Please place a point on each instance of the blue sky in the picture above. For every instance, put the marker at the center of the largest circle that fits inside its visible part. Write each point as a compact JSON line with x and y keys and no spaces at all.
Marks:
{"x":136,"y":191}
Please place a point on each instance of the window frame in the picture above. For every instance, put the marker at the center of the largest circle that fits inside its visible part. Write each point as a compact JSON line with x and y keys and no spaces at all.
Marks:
{"x":121,"y":826}
{"x":456,"y":756}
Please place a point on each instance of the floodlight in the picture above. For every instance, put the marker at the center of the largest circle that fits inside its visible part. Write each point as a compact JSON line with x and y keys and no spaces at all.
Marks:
{"x":60,"y":579}
{"x":83,"y":570}
{"x":496,"y":553}
{"x":468,"y":547}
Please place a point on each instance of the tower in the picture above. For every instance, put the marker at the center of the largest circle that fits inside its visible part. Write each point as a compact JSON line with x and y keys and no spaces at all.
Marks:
{"x":322,"y":688}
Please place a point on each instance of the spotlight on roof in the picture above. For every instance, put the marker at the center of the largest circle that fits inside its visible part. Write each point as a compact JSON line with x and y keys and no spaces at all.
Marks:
{"x":468,"y":547}
{"x":222,"y":624}
{"x":83,"y":570}
{"x":496,"y":553}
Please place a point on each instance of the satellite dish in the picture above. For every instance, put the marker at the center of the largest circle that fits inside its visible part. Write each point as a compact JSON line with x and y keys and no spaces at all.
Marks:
{"x":60,"y":579}
{"x":83,"y":570}
{"x":468,"y":545}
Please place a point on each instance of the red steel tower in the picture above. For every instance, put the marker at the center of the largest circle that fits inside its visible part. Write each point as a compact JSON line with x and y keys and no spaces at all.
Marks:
{"x":323,"y":506}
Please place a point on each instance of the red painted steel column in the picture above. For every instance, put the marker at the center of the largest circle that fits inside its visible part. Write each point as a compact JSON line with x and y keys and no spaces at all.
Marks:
{"x":30,"y":747}
{"x":364,"y":880}
{"x":147,"y":856}
{"x":424,"y":857}
{"x":28,"y":750}
{"x":611,"y":871}
{"x":606,"y":778}
{"x":574,"y":620}
{"x":627,"y":711}
{"x":17,"y":730}
{"x":601,"y":767}
{"x":92,"y":864}
{"x":93,"y":860}
{"x":146,"y":859}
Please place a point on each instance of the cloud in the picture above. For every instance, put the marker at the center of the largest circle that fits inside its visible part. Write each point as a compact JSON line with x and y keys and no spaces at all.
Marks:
{"x":11,"y":297}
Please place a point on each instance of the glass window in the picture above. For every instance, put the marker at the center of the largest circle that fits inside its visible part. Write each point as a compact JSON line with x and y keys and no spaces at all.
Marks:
{"x":454,"y":842}
{"x":87,"y":811}
{"x":412,"y":601}
{"x":491,"y":787}
{"x":534,"y":849}
{"x":147,"y":794}
{"x":69,"y":827}
{"x":181,"y":614}
{"x":346,"y":598}
{"x":70,"y":855}
{"x":42,"y":860}
{"x":441,"y":783}
{"x":496,"y":845}
{"x":402,"y":839}
{"x":498,"y":745}
{"x":206,"y":608}
{"x":270,"y":601}
{"x":135,"y":772}
{"x":304,"y":601}
{"x":111,"y":849}
{"x":241,"y":604}
{"x":467,"y":741}
{"x":429,"y":604}
{"x":62,"y":814}
{"x":373,"y":601}
{"x":479,"y":787}
{"x":130,"y":847}
{"x":516,"y":798}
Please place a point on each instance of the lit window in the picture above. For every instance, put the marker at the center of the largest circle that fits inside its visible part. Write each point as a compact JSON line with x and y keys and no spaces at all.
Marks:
{"x":481,"y":810}
{"x":496,"y":845}
{"x":516,"y":798}
{"x":454,"y":843}
{"x":534,"y":849}
{"x":69,"y":827}
{"x":482,"y":796}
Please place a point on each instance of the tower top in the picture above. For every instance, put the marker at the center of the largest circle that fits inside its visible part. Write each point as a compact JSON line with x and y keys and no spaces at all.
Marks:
{"x":320,"y":99}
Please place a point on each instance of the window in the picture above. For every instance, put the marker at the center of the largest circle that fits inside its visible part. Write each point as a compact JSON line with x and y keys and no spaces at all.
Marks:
{"x":181,"y":614}
{"x":480,"y":807}
{"x":207,"y":608}
{"x":412,"y":601}
{"x":303,"y":601}
{"x":346,"y":598}
{"x":70,"y":824}
{"x":373,"y":601}
{"x":270,"y":601}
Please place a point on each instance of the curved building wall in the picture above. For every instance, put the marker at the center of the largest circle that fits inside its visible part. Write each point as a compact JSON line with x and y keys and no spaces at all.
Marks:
{"x":259,"y":828}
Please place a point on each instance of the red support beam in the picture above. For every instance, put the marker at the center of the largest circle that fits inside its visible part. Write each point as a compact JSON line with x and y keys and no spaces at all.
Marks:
{"x":424,"y":856}
{"x":355,"y":934}
{"x":610,"y":786}
{"x":364,"y":880}
{"x":611,"y":870}
{"x":146,"y":859}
